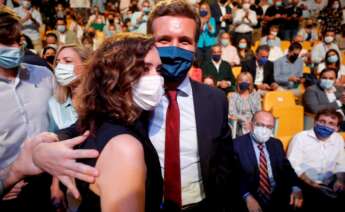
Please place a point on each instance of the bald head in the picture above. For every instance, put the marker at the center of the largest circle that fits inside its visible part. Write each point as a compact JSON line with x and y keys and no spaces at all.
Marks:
{"x":263,"y":118}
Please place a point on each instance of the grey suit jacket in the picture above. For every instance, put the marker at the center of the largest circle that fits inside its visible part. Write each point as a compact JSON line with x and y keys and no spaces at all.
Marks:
{"x":315,"y":99}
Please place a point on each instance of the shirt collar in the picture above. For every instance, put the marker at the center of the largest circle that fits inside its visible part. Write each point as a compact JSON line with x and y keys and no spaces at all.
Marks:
{"x":185,"y":87}
{"x":312,"y":134}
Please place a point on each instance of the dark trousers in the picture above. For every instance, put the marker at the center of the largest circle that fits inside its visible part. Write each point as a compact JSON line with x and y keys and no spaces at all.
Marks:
{"x":315,"y":201}
{"x":202,"y":206}
{"x":203,"y":54}
{"x":35,"y":196}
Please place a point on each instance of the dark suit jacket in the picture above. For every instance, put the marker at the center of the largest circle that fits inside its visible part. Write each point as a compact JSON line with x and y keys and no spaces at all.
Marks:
{"x":315,"y":99}
{"x":224,"y":73}
{"x":284,"y":175}
{"x":214,"y":145}
{"x":217,"y":14}
{"x":250,"y":66}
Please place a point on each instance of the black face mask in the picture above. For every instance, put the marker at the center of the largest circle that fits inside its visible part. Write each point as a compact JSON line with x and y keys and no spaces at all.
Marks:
{"x":50,"y":59}
{"x":223,"y":1}
{"x":293,"y":58}
{"x":111,"y":21}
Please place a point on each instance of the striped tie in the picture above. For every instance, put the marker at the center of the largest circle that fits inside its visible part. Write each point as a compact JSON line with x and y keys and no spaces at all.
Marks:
{"x":264,"y":184}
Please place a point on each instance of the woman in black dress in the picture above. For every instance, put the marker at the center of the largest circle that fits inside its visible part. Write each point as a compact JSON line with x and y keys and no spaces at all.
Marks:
{"x":121,"y":82}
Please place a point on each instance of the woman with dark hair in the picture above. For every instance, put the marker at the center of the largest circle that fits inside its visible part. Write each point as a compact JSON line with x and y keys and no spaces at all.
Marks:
{"x":332,"y":16}
{"x":244,"y":50}
{"x":333,"y":60}
{"x":120,"y":83}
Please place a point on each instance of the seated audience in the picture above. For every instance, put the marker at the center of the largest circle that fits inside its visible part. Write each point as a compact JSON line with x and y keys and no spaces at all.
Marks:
{"x":65,"y":36}
{"x":318,"y":157}
{"x":244,"y":103}
{"x":332,"y":60}
{"x":273,"y":40}
{"x":261,"y":69}
{"x":275,"y":51}
{"x":308,"y":32}
{"x":267,"y":182}
{"x":319,"y":50}
{"x":324,"y":94}
{"x":229,"y":52}
{"x":244,"y":50}
{"x":220,"y":70}
{"x":288,"y":70}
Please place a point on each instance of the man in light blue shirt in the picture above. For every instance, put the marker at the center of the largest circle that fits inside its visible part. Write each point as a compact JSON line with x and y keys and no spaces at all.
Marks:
{"x":288,"y":70}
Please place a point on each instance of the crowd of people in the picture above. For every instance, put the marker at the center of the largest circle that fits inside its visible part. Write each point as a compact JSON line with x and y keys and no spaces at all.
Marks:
{"x":127,"y":106}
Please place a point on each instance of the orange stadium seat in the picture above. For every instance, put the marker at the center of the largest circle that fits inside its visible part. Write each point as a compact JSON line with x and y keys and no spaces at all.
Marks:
{"x":236,"y":70}
{"x":289,"y":118}
{"x":284,"y":45}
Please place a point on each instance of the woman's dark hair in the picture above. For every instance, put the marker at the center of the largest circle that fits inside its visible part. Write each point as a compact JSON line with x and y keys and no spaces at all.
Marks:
{"x":28,"y":41}
{"x":337,"y":64}
{"x":105,"y":91}
{"x":45,"y":49}
{"x":10,"y":26}
{"x":329,"y":70}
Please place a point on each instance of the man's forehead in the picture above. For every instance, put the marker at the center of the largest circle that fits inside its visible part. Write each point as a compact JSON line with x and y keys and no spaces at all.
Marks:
{"x":173,"y":24}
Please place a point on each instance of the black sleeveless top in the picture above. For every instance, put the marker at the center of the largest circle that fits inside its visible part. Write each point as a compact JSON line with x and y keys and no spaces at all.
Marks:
{"x":154,"y":182}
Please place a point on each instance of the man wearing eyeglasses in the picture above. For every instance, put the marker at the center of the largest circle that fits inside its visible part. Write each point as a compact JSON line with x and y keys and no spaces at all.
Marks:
{"x":267,"y":182}
{"x":318,"y":157}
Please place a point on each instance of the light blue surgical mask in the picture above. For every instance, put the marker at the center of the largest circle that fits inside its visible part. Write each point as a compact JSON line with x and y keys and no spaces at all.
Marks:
{"x":326,"y":83}
{"x":242,"y":45}
{"x":333,"y":58}
{"x":176,"y":62}
{"x":224,"y":42}
{"x":11,"y":57}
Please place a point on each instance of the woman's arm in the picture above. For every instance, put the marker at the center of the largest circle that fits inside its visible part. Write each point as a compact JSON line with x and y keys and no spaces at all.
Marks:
{"x":121,"y":183}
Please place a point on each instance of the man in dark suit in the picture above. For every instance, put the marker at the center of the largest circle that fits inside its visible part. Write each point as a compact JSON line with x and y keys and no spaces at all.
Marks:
{"x":261,"y":69}
{"x":267,"y":180}
{"x":317,"y":97}
{"x":219,"y":70}
{"x":221,"y":11}
{"x":189,"y":128}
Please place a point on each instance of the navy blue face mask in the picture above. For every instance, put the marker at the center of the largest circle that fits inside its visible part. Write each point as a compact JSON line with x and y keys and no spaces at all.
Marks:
{"x":216,"y":57}
{"x":244,"y":86}
{"x":176,"y":62}
{"x":322,"y":131}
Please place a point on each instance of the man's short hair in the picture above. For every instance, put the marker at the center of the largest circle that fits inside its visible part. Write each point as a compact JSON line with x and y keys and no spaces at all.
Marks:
{"x":177,"y":8}
{"x":61,"y":19}
{"x":262,"y":48}
{"x":51,"y":34}
{"x":329,"y":70}
{"x":10,"y":26}
{"x":295,"y":45}
{"x":329,"y":112}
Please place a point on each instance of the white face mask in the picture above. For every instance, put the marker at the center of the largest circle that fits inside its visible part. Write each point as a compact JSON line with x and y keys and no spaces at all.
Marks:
{"x":64,"y":74}
{"x":148,"y":91}
{"x":261,"y":134}
{"x":329,"y":39}
{"x":274,"y":33}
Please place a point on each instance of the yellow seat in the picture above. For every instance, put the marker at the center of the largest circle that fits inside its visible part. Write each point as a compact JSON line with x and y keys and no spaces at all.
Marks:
{"x":284,"y":45}
{"x":307,"y":45}
{"x":256,"y":45}
{"x":289,"y":118}
{"x":278,"y":98}
{"x":236,"y":70}
{"x":306,"y":70}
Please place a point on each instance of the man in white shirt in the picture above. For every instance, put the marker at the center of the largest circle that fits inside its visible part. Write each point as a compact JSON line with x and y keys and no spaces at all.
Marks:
{"x":318,"y":157}
{"x":244,"y":19}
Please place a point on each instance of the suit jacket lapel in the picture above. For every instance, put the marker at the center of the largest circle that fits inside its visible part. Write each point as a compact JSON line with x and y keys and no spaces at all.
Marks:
{"x":201,"y":112}
{"x":273,"y":157}
{"x":252,"y":156}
